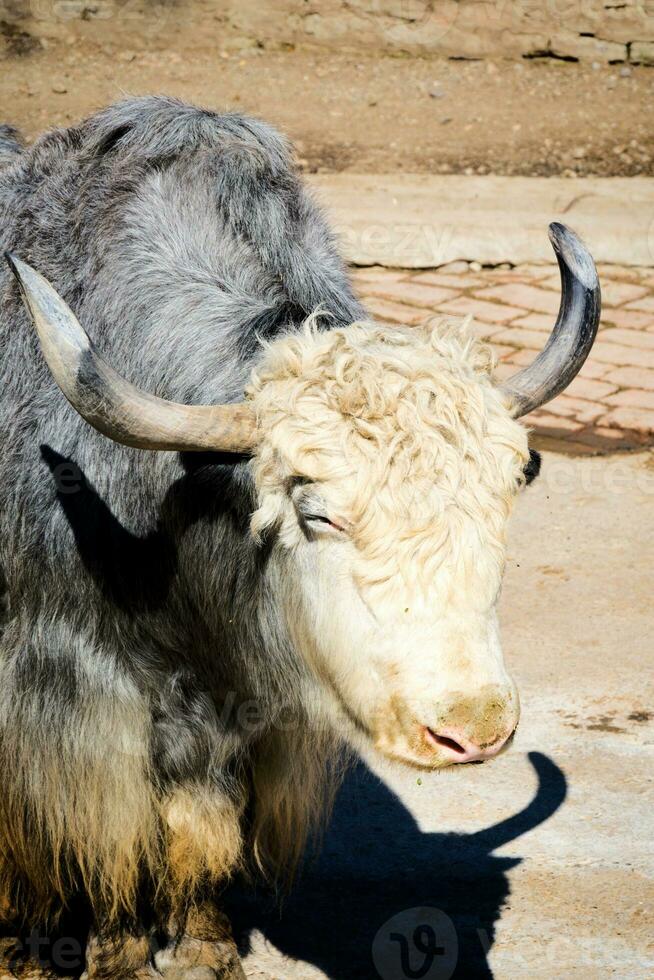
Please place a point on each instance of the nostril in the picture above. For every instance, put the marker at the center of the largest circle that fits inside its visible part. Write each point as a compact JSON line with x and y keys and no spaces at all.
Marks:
{"x":446,"y":743}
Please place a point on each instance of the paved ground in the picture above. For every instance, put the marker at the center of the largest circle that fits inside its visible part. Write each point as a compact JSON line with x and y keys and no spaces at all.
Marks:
{"x":421,"y":221}
{"x":609,"y":406}
{"x":524,"y":870}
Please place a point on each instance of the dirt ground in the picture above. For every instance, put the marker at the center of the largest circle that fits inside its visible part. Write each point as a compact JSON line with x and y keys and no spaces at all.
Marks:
{"x":349,"y":112}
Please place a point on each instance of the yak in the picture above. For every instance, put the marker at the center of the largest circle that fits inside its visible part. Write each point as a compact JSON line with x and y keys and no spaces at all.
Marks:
{"x":259,"y":532}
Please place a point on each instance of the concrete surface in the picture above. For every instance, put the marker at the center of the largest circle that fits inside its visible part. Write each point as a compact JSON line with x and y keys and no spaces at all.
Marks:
{"x":416,"y":221}
{"x":522,"y":869}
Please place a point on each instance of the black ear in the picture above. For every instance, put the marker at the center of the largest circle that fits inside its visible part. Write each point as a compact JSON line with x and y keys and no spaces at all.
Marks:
{"x":532,"y":469}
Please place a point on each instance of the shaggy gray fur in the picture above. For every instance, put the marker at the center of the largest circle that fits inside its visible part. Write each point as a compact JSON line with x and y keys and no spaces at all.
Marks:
{"x":177,"y":236}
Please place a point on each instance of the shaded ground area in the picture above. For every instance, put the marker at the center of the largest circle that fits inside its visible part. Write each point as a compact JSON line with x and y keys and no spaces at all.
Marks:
{"x":420,"y":921}
{"x":353,"y":112}
{"x":531,"y":866}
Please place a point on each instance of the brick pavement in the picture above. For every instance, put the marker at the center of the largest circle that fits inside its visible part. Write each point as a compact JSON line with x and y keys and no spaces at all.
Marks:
{"x":609,"y":406}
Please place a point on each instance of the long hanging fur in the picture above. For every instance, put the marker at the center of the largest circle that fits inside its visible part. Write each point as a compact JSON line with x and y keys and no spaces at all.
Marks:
{"x":135,"y":620}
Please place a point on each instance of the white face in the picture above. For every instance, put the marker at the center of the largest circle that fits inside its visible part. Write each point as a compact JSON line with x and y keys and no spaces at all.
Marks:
{"x":386,"y":474}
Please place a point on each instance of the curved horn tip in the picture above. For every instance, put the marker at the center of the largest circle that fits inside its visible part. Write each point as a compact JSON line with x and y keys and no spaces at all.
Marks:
{"x":19,"y":268}
{"x":572,"y":251}
{"x":53,"y":319}
{"x":107,"y":401}
{"x":13,"y":262}
{"x":574,"y":332}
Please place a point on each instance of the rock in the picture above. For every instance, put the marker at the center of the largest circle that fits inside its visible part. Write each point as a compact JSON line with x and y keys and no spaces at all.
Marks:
{"x":454,"y":267}
{"x":625,"y":72}
{"x":474,"y":266}
{"x":642,"y":52}
{"x":567,"y":44}
{"x":59,"y":89}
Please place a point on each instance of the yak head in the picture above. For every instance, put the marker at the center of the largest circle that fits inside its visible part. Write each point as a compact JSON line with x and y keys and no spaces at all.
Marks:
{"x":386,"y":470}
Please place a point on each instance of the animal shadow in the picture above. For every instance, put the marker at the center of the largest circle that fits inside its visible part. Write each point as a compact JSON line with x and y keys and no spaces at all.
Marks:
{"x":385,"y":900}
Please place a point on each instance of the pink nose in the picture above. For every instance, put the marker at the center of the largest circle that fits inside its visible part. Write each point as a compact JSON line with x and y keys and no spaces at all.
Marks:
{"x":453,"y":746}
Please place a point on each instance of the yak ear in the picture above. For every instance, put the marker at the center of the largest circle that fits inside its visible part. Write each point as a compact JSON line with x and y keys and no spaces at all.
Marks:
{"x":532,"y":469}
{"x":113,"y":405}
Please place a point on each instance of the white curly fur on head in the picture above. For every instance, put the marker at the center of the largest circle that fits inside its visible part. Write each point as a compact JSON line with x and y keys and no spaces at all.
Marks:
{"x":406,"y":435}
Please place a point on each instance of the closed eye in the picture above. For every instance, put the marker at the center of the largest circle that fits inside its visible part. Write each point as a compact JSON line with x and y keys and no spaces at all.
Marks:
{"x":322,"y":519}
{"x":313,"y":510}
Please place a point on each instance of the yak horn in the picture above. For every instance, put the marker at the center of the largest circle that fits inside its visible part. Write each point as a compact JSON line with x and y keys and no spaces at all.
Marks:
{"x":110,"y":403}
{"x":574,"y":332}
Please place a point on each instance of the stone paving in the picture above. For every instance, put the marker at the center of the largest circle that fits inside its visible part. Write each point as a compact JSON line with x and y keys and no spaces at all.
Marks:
{"x":609,"y":406}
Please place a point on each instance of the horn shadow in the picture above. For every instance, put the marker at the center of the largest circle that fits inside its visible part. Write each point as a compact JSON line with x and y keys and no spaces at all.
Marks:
{"x":136,"y":572}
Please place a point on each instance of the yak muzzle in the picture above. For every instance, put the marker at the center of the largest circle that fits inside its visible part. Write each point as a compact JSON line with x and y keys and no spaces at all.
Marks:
{"x":473,"y":727}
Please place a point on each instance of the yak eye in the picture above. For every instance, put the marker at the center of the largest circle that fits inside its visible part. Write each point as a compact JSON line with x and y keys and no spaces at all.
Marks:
{"x":311,"y":508}
{"x":532,"y":469}
{"x":322,"y":519}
